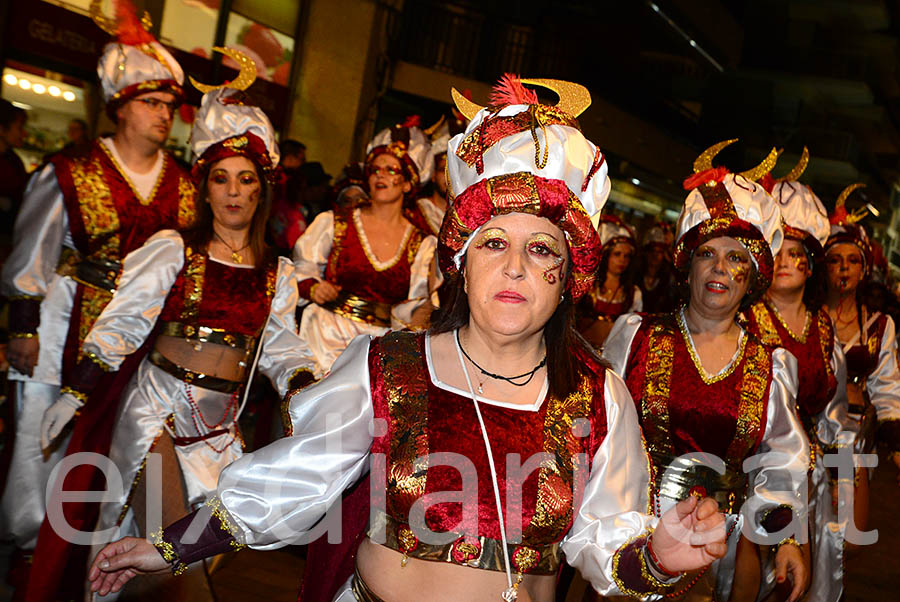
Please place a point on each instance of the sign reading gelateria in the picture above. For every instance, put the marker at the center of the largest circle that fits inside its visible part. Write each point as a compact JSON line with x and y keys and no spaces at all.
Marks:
{"x":48,"y":31}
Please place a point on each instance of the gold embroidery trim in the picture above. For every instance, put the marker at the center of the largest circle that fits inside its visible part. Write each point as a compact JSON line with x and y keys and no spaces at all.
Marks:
{"x":652,"y":582}
{"x":554,"y":503}
{"x":337,"y":245}
{"x":103,"y":365}
{"x":377,"y":265}
{"x":692,"y":351}
{"x":225,"y":522}
{"x":657,"y":383}
{"x":98,"y":211}
{"x":800,"y":338}
{"x":137,"y":195}
{"x":187,"y":202}
{"x":170,"y":419}
{"x":167,"y":551}
{"x":193,"y":290}
{"x":754,"y":384}
{"x":768,"y":334}
{"x":407,"y":401}
{"x":82,"y":397}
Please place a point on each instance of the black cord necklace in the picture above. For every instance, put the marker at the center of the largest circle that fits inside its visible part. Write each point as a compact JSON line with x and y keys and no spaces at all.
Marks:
{"x":530,"y":374}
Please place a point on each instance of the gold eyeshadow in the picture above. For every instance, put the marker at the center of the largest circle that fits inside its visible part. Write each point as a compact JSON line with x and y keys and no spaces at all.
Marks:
{"x":490,"y":234}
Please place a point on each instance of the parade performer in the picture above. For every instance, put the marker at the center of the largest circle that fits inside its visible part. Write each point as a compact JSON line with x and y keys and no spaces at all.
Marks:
{"x":80,"y":216}
{"x":654,"y":272}
{"x":518,"y":249}
{"x":868,"y":340}
{"x":704,"y":385}
{"x":614,"y":292}
{"x":365,"y":268}
{"x":209,"y":294}
{"x":791,"y":315}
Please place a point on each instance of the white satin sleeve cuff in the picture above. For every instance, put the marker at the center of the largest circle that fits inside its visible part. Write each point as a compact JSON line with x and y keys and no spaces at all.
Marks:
{"x":40,"y":231}
{"x":401,"y":314}
{"x":883,"y":385}
{"x":782,"y":460}
{"x":284,"y":352}
{"x":148,"y":274}
{"x":278,"y":493}
{"x":616,"y":504}
{"x":312,"y":249}
{"x":617,"y":346}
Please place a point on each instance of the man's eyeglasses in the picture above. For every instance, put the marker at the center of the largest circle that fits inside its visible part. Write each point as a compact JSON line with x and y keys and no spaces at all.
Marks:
{"x":154,"y":104}
{"x":387,"y":171}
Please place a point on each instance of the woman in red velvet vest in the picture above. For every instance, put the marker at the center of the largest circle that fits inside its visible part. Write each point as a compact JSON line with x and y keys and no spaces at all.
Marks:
{"x":363,"y":269}
{"x":792,"y":316}
{"x":709,"y":394}
{"x":496,"y":442}
{"x":615,"y":292}
{"x":217,"y":303}
{"x":868,"y":340}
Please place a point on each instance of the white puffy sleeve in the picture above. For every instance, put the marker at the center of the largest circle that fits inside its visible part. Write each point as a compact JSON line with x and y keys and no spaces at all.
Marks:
{"x":616,"y":506}
{"x":148,"y":274}
{"x":883,"y":387}
{"x":285,"y":357}
{"x":275,"y":495}
{"x":40,"y":230}
{"x":311,"y":252}
{"x":834,"y":428}
{"x":401,"y":314}
{"x":778,"y":470}
{"x":617,"y":346}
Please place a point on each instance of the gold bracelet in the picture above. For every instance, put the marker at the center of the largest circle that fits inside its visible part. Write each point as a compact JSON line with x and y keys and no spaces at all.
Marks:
{"x":312,"y":290}
{"x":787,"y":541}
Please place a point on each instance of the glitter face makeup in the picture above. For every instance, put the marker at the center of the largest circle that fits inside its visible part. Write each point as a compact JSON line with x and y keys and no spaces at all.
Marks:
{"x":493,"y":238}
{"x":545,"y":245}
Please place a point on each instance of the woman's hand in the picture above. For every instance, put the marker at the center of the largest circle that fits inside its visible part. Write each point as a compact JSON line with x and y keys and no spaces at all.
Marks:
{"x":690,"y":536}
{"x":789,"y":559}
{"x":121,"y":560}
{"x":323,"y":292}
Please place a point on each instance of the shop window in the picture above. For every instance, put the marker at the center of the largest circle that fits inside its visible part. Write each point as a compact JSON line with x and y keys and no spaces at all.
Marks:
{"x":272,"y":50}
{"x":51,"y":106}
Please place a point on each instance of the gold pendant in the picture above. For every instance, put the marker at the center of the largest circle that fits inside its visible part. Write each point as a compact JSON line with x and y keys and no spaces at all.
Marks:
{"x":235,"y":257}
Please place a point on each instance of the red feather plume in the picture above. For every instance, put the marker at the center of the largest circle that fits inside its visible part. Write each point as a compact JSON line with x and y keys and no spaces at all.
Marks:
{"x":510,"y":91}
{"x":129,"y":29}
{"x":412,"y":121}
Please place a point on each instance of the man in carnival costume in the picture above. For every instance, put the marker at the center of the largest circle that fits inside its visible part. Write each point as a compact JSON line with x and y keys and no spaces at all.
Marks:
{"x":81,"y":215}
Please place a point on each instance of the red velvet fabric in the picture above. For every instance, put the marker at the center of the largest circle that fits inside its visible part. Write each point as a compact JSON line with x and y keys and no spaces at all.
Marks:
{"x":136,"y":222}
{"x":349,"y":266}
{"x":244,"y":145}
{"x":59,"y":568}
{"x":861,"y":361}
{"x":702,"y":418}
{"x":452,"y":426}
{"x":225,"y":287}
{"x":817,"y":383}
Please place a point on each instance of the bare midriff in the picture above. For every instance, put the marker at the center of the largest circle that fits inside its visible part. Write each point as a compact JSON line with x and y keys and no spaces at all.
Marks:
{"x":212,"y":359}
{"x":380,"y":567}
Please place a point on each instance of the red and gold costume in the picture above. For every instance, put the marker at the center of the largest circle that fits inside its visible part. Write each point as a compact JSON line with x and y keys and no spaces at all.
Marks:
{"x":700,"y":428}
{"x":80,"y":216}
{"x":374,"y":295}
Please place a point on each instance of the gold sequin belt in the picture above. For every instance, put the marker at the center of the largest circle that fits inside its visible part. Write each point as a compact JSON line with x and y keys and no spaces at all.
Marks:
{"x":98,"y":273}
{"x":360,"y":590}
{"x":475,"y":552}
{"x":361,"y":310}
{"x":205,"y":334}
{"x":198,"y":379}
{"x":678,"y":478}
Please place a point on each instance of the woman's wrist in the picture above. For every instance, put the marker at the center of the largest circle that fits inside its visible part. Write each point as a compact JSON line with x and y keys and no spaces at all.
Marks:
{"x":654,"y":564}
